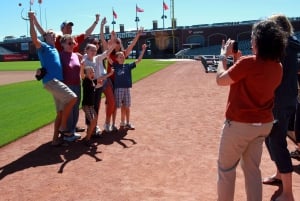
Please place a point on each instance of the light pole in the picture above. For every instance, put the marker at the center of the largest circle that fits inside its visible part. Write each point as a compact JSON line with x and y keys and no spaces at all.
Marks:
{"x":25,"y":18}
{"x":173,"y":23}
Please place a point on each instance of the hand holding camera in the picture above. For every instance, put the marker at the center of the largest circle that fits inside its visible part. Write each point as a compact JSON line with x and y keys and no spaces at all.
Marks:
{"x":229,"y":48}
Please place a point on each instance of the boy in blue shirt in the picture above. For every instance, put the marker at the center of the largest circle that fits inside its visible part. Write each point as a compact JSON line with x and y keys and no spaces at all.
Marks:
{"x":123,"y":83}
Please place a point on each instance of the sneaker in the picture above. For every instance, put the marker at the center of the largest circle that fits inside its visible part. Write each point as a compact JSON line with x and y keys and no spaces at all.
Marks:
{"x":106,"y":127}
{"x":71,"y":138}
{"x":122,"y":125}
{"x":97,"y":133}
{"x":97,"y":130}
{"x":113,"y":128}
{"x":77,"y":135}
{"x":129,"y":126}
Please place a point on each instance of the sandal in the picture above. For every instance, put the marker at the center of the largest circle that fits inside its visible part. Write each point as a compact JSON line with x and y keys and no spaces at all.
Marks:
{"x":295,"y":154}
{"x":272,"y":181}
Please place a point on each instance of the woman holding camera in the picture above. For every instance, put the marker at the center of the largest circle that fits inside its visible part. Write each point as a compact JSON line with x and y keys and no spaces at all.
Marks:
{"x":249,"y":118}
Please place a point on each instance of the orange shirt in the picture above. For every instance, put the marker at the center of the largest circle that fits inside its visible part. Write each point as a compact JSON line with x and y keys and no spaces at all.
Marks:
{"x":251,"y":97}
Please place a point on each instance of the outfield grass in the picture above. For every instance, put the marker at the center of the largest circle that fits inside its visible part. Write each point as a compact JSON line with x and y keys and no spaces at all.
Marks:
{"x":26,"y":106}
{"x":19,"y":65}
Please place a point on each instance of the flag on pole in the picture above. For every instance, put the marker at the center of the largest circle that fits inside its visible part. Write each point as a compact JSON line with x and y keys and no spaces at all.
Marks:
{"x":140,"y":10}
{"x":31,"y":2}
{"x":40,"y":1}
{"x":165,"y":6}
{"x":115,"y":14}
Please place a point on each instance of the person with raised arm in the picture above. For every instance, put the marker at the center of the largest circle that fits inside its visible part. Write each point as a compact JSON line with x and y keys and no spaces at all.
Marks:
{"x":123,"y":84}
{"x":64,"y":97}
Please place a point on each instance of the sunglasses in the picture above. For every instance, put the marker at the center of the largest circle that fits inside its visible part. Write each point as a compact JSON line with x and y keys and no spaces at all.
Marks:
{"x":96,"y":43}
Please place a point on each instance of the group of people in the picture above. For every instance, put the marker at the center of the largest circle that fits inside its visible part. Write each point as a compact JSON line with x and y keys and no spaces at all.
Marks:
{"x":262,"y":101}
{"x":69,"y":70}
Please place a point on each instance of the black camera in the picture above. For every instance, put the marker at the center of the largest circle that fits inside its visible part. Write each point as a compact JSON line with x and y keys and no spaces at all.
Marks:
{"x":40,"y":73}
{"x":235,"y":47}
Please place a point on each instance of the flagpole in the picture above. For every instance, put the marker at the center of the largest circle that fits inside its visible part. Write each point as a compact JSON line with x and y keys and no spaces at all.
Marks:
{"x":163,"y":16}
{"x":137,"y":29}
{"x":136,"y":18}
{"x":113,"y":22}
{"x":173,"y":24}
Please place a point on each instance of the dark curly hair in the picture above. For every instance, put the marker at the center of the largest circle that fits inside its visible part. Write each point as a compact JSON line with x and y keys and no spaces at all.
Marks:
{"x":270,"y":40}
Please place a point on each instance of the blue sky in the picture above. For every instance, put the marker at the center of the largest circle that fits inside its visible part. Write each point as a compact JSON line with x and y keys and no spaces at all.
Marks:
{"x":187,"y":12}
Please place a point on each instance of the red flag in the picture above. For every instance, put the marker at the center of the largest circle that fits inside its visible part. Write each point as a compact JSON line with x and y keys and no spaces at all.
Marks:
{"x":139,"y":9}
{"x":39,"y":1}
{"x":165,"y":6}
{"x":31,"y":2}
{"x":115,"y":14}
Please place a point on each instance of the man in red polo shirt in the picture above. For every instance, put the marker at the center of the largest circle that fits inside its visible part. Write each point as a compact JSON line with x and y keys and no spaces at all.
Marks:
{"x":66,"y":28}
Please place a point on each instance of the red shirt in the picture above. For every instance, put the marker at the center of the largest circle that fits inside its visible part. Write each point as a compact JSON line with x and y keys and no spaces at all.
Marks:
{"x":251,"y":96}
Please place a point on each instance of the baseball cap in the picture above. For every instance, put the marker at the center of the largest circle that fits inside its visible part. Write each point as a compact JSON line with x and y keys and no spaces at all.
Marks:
{"x":65,"y":23}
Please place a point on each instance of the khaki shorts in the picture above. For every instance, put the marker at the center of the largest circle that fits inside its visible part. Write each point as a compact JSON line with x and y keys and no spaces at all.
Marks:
{"x":61,"y":93}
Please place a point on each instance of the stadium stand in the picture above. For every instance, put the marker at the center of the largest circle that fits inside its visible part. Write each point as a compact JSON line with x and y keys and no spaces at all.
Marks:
{"x":5,"y":51}
{"x":8,"y":55}
{"x":182,"y":42}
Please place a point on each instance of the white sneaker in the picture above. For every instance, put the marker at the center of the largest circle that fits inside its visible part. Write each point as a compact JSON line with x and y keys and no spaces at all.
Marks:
{"x":77,"y":135}
{"x":113,"y":128}
{"x":129,"y":126}
{"x":106,"y":127}
{"x":97,"y":130}
{"x":122,"y":125}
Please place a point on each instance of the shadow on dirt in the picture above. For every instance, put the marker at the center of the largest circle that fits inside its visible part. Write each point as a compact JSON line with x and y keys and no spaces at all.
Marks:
{"x":46,"y":154}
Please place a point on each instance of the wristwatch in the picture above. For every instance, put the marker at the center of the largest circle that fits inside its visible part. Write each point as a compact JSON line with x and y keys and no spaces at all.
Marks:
{"x":222,"y":57}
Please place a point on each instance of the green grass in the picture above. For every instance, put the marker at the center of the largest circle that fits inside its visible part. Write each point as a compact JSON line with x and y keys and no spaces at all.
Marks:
{"x":19,"y":65}
{"x":26,"y":106}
